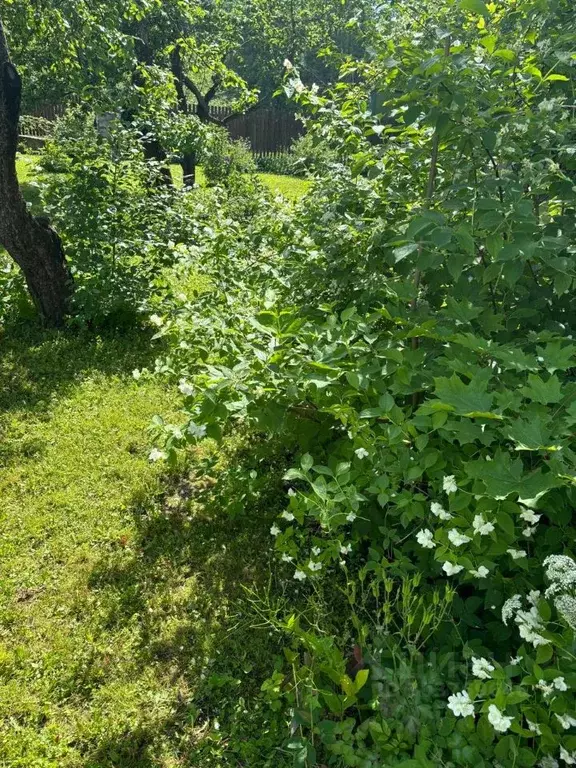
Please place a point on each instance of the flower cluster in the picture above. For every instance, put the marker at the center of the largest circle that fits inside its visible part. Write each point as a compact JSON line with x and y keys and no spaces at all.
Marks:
{"x":530,"y":623}
{"x":561,"y":572}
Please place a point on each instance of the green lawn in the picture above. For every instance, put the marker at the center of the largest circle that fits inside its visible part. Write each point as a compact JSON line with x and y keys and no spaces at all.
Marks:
{"x":119,"y":587}
{"x":290,"y":187}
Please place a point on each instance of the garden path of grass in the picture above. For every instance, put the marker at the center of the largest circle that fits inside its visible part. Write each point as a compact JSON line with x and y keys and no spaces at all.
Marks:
{"x":117,"y":596}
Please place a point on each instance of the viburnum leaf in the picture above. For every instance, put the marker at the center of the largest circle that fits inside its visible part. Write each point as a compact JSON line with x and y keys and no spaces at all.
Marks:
{"x":464,"y":398}
{"x":501,"y":477}
{"x":555,"y":357}
{"x":540,"y":391}
{"x":529,"y":434}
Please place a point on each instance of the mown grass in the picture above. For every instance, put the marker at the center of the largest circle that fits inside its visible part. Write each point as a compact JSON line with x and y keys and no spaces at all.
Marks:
{"x":290,"y":187}
{"x":119,"y":587}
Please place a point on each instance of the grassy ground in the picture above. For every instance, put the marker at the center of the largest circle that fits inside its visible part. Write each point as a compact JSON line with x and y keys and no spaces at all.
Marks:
{"x":291,"y":187}
{"x":119,"y":589}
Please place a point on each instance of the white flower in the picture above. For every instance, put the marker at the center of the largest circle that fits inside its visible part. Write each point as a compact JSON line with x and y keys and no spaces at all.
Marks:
{"x":561,"y":571}
{"x":449,"y":484}
{"x":481,"y":573}
{"x":291,"y":492}
{"x":452,"y":570}
{"x":362,"y":453}
{"x":566,"y":607}
{"x":216,"y":725}
{"x":482,"y":668}
{"x":566,"y":721}
{"x":425,"y":539}
{"x":288,"y":64}
{"x":534,"y":596}
{"x":548,"y":762}
{"x":461,"y":704}
{"x":528,"y":532}
{"x":316,"y":551}
{"x":156,"y":455}
{"x":529,"y":516}
{"x":275,"y":531}
{"x":137,"y":374}
{"x":481,"y":527}
{"x":314,"y":566}
{"x":498,"y":720}
{"x":458,"y":538}
{"x":345,"y":550}
{"x":286,"y":558}
{"x":534,"y":727}
{"x":545,"y":687}
{"x":156,"y":320}
{"x":560,"y":684}
{"x":569,"y":759}
{"x":510,"y":607}
{"x":516,"y":661}
{"x":529,"y":622}
{"x":516,"y":554}
{"x":350,"y":517}
{"x":288,"y":516}
{"x":439,"y":511}
{"x":299,"y":575}
{"x":186,"y":388}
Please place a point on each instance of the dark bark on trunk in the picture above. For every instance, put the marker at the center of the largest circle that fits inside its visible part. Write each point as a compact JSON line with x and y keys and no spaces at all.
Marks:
{"x":188,"y":162}
{"x":30,"y":241}
{"x":151,"y":147}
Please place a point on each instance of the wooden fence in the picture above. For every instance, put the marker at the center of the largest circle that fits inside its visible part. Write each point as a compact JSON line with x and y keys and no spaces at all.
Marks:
{"x":268,"y":131}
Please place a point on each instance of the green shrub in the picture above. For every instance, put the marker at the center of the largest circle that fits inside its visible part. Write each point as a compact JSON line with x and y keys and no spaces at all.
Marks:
{"x":223,"y":158}
{"x":120,"y":222}
{"x":408,"y":334}
{"x":280,"y":163}
{"x":312,"y":156}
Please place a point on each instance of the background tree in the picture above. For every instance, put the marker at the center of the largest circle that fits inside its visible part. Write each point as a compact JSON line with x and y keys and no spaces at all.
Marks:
{"x":31,"y":242}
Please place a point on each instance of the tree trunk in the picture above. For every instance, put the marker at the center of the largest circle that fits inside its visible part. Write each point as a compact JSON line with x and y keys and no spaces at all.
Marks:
{"x":188,"y":161}
{"x":30,"y":241}
{"x":151,"y":146}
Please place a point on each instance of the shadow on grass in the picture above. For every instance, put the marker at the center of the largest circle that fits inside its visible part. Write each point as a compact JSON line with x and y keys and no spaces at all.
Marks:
{"x":37,"y":364}
{"x":39,"y":367}
{"x":184,"y":584}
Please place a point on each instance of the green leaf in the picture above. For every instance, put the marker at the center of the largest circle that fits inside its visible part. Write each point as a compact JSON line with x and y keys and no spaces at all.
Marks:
{"x":461,"y":311}
{"x":544,"y":654}
{"x":501,"y":476}
{"x":361,"y":679}
{"x":464,"y":398}
{"x":556,"y":357}
{"x":307,"y":462}
{"x":347,"y":685}
{"x":475,"y":6}
{"x":489,"y":42}
{"x":529,"y":435}
{"x":540,"y":391}
{"x":505,"y":53}
{"x":464,"y":236}
{"x":554,"y":78}
{"x":403,"y":251}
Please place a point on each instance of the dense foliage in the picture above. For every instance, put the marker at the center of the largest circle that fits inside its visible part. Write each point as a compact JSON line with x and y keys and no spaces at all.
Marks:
{"x":407,"y":334}
{"x":395,"y":352}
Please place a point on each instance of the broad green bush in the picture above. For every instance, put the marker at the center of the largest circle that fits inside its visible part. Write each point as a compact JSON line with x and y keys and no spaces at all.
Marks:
{"x":120,"y":222}
{"x":312,"y":156}
{"x":223,"y":158}
{"x":407,"y":334}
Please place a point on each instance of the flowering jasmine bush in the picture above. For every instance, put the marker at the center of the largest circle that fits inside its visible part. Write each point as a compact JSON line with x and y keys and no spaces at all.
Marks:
{"x":407,"y":335}
{"x":531,"y":695}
